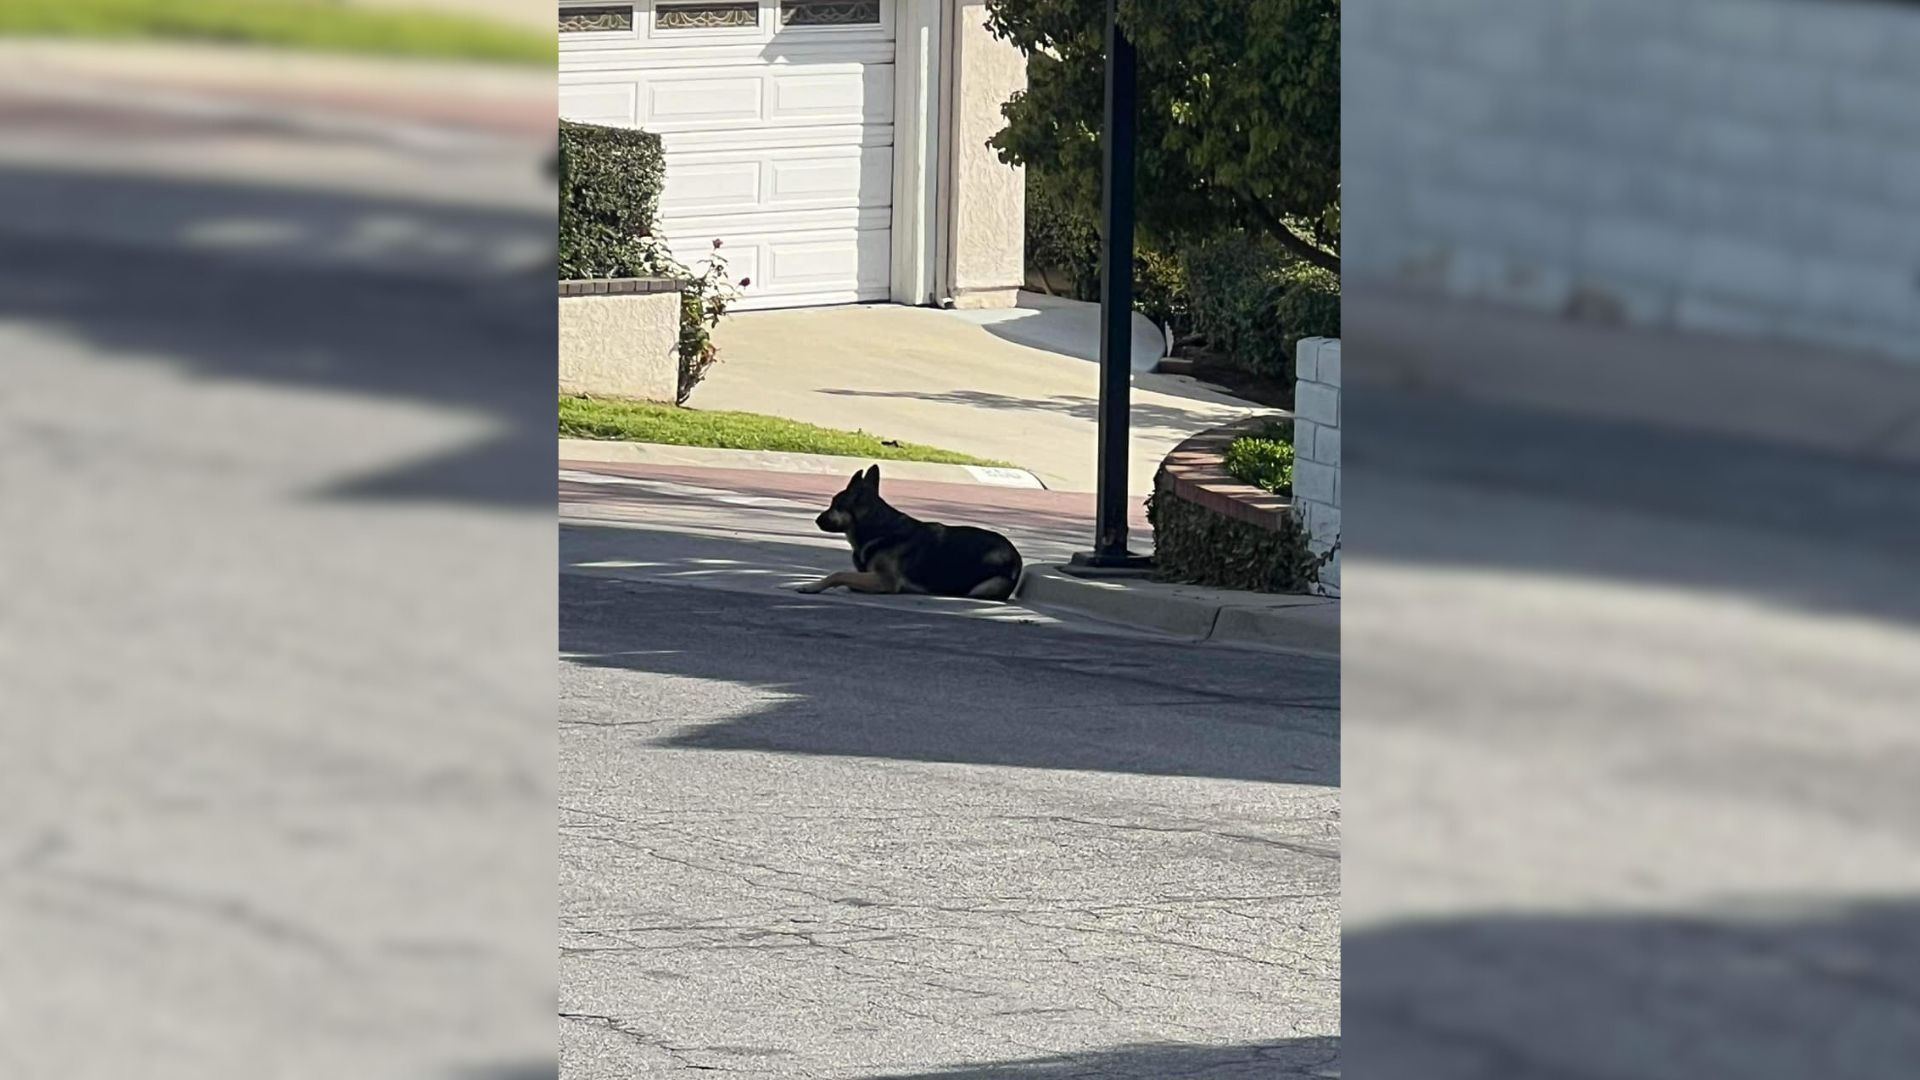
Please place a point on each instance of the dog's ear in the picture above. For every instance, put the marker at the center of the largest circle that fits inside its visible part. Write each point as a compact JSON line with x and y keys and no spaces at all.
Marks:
{"x":855,"y":482}
{"x":873,"y":477}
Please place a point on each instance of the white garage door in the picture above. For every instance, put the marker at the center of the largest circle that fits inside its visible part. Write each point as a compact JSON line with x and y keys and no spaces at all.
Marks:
{"x":777,"y":120}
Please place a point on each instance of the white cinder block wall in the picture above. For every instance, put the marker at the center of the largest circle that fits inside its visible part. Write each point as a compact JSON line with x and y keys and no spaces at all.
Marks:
{"x":1316,"y":451}
{"x":1737,"y":166}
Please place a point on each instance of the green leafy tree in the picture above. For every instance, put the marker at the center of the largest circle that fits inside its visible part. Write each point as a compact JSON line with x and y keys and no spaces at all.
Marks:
{"x":1239,"y":113}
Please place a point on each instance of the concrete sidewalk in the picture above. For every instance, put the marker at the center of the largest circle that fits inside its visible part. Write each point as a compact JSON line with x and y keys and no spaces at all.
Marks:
{"x":938,"y":378}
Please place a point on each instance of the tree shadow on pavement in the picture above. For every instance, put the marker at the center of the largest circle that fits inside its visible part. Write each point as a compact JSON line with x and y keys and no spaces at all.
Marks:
{"x":393,"y":323}
{"x":923,"y":680}
{"x":1828,"y":990}
{"x":1152,"y":419}
{"x":1435,"y":479}
{"x":1304,"y":1057}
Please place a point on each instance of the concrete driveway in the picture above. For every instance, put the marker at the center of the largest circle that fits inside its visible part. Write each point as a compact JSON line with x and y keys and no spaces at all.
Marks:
{"x":1015,"y":386}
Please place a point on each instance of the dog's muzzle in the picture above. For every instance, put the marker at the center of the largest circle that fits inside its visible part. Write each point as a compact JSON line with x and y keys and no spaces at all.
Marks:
{"x":830,"y":522}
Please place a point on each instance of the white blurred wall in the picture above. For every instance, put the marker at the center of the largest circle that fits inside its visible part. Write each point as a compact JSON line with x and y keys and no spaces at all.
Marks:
{"x":1744,"y":167}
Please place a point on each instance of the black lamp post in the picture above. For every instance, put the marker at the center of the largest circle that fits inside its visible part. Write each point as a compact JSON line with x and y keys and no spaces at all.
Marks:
{"x":1116,"y":309}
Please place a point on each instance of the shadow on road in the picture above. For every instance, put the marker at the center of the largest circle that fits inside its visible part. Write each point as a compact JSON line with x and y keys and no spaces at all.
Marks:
{"x":1152,"y":419}
{"x":1766,"y":496}
{"x":1307,"y":1057}
{"x":971,"y":690}
{"x":1828,"y":991}
{"x":1041,"y":534}
{"x":392,"y":317}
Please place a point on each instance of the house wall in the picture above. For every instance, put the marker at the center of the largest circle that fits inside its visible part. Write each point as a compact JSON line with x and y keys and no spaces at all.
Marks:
{"x":987,"y":228}
{"x":1737,"y":166}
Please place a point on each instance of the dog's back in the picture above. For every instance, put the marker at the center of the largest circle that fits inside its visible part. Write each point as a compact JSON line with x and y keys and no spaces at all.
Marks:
{"x":959,"y":560}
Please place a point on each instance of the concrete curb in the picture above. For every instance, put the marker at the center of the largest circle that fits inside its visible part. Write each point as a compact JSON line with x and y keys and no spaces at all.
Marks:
{"x":1300,"y":623}
{"x":706,"y":457}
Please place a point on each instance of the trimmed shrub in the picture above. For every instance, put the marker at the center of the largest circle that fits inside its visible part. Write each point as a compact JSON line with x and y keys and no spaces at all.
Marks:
{"x":610,"y":181}
{"x":1160,"y":289}
{"x":1063,"y":245}
{"x":1236,"y":282}
{"x":1264,"y":460}
{"x":1309,"y":306}
{"x":1253,"y":302}
{"x":1192,"y":545}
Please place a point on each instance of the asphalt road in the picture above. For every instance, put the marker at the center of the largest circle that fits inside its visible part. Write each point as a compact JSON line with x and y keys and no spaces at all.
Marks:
{"x":903,"y":837}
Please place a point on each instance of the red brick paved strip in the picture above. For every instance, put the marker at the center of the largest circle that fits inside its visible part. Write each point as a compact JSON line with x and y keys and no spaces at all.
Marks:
{"x":530,"y":119}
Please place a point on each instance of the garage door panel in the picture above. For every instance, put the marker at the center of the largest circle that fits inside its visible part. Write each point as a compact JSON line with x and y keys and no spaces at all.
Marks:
{"x":782,"y":147}
{"x":742,"y":182}
{"x":610,"y":103}
{"x":743,"y":260}
{"x":680,"y":144}
{"x":864,"y":179}
{"x":695,"y":186}
{"x":772,"y":98}
{"x":701,"y":102}
{"x":730,"y":227}
{"x":813,"y":264}
{"x":682,"y":56}
{"x":860,"y":94}
{"x":823,"y":266}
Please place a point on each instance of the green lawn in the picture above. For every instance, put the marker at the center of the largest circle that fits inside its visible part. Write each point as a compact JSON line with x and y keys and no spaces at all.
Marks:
{"x":646,"y":421}
{"x":322,"y":25}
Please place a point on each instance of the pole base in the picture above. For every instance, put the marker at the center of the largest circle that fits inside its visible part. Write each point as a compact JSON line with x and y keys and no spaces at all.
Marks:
{"x":1098,"y":564}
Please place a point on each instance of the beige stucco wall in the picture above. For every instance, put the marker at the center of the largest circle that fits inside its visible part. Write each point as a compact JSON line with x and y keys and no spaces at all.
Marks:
{"x":987,"y":260}
{"x":621,"y":346}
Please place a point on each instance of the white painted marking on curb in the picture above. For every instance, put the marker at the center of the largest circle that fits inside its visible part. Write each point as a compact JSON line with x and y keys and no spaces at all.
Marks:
{"x":1019,"y":478}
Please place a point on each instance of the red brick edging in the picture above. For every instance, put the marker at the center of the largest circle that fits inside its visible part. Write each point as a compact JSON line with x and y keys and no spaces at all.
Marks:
{"x":1196,"y":472}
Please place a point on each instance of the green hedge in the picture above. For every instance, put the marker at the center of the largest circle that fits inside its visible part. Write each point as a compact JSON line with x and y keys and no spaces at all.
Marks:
{"x":610,"y":181}
{"x":1309,"y":307}
{"x":1062,"y":244}
{"x":1253,"y":302}
{"x":1193,"y":545}
{"x":1235,"y":282}
{"x":1263,"y":459}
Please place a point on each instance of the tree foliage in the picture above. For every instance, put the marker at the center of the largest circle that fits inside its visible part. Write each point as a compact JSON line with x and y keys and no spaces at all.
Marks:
{"x":1239,"y":112}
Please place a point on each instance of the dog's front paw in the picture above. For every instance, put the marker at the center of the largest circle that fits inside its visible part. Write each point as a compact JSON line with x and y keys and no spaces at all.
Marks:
{"x":816,"y":586}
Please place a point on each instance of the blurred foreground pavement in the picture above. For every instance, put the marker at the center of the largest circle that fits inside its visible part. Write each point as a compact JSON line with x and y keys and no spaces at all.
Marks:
{"x":1632,"y":601}
{"x":276,"y":448}
{"x":1632,"y":654}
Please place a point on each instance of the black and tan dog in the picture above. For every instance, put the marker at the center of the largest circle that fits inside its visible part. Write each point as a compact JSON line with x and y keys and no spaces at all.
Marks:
{"x":895,"y":553}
